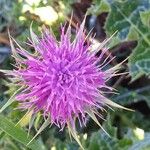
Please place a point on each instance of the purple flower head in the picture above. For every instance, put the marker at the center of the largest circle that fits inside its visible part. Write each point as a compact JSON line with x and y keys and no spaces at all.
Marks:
{"x":63,"y":79}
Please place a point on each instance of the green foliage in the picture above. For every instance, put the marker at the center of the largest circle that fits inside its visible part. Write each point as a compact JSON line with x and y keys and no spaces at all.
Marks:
{"x":130,"y":141}
{"x":131,"y":20}
{"x":99,"y":7}
{"x":18,"y":134}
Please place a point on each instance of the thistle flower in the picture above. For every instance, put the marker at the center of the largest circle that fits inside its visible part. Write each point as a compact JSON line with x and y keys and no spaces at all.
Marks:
{"x":62,"y":80}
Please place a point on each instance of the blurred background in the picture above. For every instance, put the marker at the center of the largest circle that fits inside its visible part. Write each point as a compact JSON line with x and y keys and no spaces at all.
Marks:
{"x":131,"y":20}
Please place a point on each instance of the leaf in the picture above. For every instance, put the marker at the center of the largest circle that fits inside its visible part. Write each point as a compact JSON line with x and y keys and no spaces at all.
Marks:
{"x":98,"y":141}
{"x":139,"y":61}
{"x":132,"y":23}
{"x":18,"y":133}
{"x":132,"y":35}
{"x":145,"y":18}
{"x":99,"y":7}
{"x":11,"y":100}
